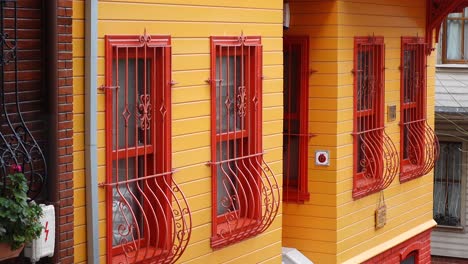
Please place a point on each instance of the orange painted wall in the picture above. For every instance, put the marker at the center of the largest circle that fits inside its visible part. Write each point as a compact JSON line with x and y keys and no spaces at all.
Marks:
{"x":332,"y":227}
{"x":311,"y":227}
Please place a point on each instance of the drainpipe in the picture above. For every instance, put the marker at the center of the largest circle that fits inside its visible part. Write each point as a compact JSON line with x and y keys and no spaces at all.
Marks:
{"x":50,"y":55}
{"x":91,"y":8}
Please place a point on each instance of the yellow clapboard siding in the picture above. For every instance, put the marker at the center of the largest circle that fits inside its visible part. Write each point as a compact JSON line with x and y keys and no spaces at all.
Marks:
{"x":151,"y":12}
{"x":186,"y":29}
{"x":190,"y":94}
{"x":262,"y":254}
{"x":191,"y":141}
{"x":79,"y":252}
{"x":264,"y":4}
{"x":190,"y":157}
{"x":305,"y":245}
{"x":190,"y":110}
{"x":192,"y":125}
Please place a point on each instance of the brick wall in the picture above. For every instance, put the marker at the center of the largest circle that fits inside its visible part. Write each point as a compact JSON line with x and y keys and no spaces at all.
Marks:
{"x":421,"y":243}
{"x":31,"y":93}
{"x":46,"y":104}
{"x":65,"y":218}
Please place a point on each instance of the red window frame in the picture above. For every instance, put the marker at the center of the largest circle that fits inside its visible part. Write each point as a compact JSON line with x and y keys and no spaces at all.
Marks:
{"x":418,"y":143}
{"x":143,"y":222}
{"x":296,"y":118}
{"x":245,"y":197}
{"x":372,"y":148}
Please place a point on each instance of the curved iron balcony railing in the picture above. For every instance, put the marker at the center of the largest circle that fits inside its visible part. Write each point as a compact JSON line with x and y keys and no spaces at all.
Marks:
{"x":250,"y":201}
{"x":377,"y":162}
{"x":151,"y":218}
{"x":421,"y":150}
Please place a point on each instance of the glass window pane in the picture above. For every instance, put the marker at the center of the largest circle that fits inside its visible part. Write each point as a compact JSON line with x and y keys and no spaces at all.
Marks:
{"x":409,"y":260}
{"x":226,"y":178}
{"x":455,"y":15}
{"x":126,"y":218}
{"x":447,"y":185}
{"x":365,"y":80}
{"x":465,"y":43}
{"x":126,"y":101}
{"x":229,"y":87}
{"x":292,"y":77}
{"x":454,"y":48}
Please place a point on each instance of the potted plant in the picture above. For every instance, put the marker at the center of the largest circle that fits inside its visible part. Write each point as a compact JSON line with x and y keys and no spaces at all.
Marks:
{"x":19,"y":217}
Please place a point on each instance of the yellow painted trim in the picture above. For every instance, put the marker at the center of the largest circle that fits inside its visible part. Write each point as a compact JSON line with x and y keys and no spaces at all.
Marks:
{"x":391,"y":243}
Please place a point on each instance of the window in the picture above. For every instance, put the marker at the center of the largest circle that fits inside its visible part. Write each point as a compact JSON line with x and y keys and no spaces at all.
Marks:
{"x":412,"y":258}
{"x":143,"y":222}
{"x":245,"y":192}
{"x":454,"y":33}
{"x":448,"y":185}
{"x":372,"y":148}
{"x":295,"y":125}
{"x":418,"y":143}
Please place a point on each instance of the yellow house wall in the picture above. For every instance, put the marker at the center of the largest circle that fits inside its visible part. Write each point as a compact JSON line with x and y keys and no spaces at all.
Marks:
{"x":332,"y":227}
{"x":190,"y":23}
{"x":311,"y":227}
{"x":409,"y":205}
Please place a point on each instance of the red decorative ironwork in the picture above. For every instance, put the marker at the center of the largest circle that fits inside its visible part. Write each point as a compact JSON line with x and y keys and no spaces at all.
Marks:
{"x":436,"y":12}
{"x":145,"y":111}
{"x":241,"y":98}
{"x":148,"y":218}
{"x":296,"y":120}
{"x":375,"y":155}
{"x":419,"y":144}
{"x":245,"y":191}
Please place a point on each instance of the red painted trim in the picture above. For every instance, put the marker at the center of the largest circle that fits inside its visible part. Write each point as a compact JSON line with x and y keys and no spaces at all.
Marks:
{"x":436,"y":12}
{"x":417,"y":45}
{"x":159,"y":150}
{"x":372,"y":118}
{"x":419,"y":146}
{"x":411,"y":249}
{"x":419,"y":245}
{"x":297,"y":190}
{"x":250,"y":139}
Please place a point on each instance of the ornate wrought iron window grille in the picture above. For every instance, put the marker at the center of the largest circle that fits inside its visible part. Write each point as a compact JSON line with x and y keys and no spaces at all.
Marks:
{"x":418,"y":143}
{"x":375,"y":155}
{"x":17,"y":144}
{"x":148,"y":218}
{"x":245,"y":191}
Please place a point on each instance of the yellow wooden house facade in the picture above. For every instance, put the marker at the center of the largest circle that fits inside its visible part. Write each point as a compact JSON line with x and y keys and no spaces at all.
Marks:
{"x":181,"y":151}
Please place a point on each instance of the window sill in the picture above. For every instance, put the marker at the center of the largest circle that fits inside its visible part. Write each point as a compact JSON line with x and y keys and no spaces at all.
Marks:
{"x":451,"y":67}
{"x":409,"y":172}
{"x":243,"y":231}
{"x":365,"y":187}
{"x":451,"y":229}
{"x":141,"y":255}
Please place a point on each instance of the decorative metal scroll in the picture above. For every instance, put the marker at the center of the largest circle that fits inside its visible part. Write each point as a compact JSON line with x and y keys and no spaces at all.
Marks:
{"x":249,"y":201}
{"x":245,"y":191}
{"x":151,"y":220}
{"x":148,"y":217}
{"x":378,"y":162}
{"x":376,"y":158}
{"x":436,"y":12}
{"x":17,"y":144}
{"x":422,"y":149}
